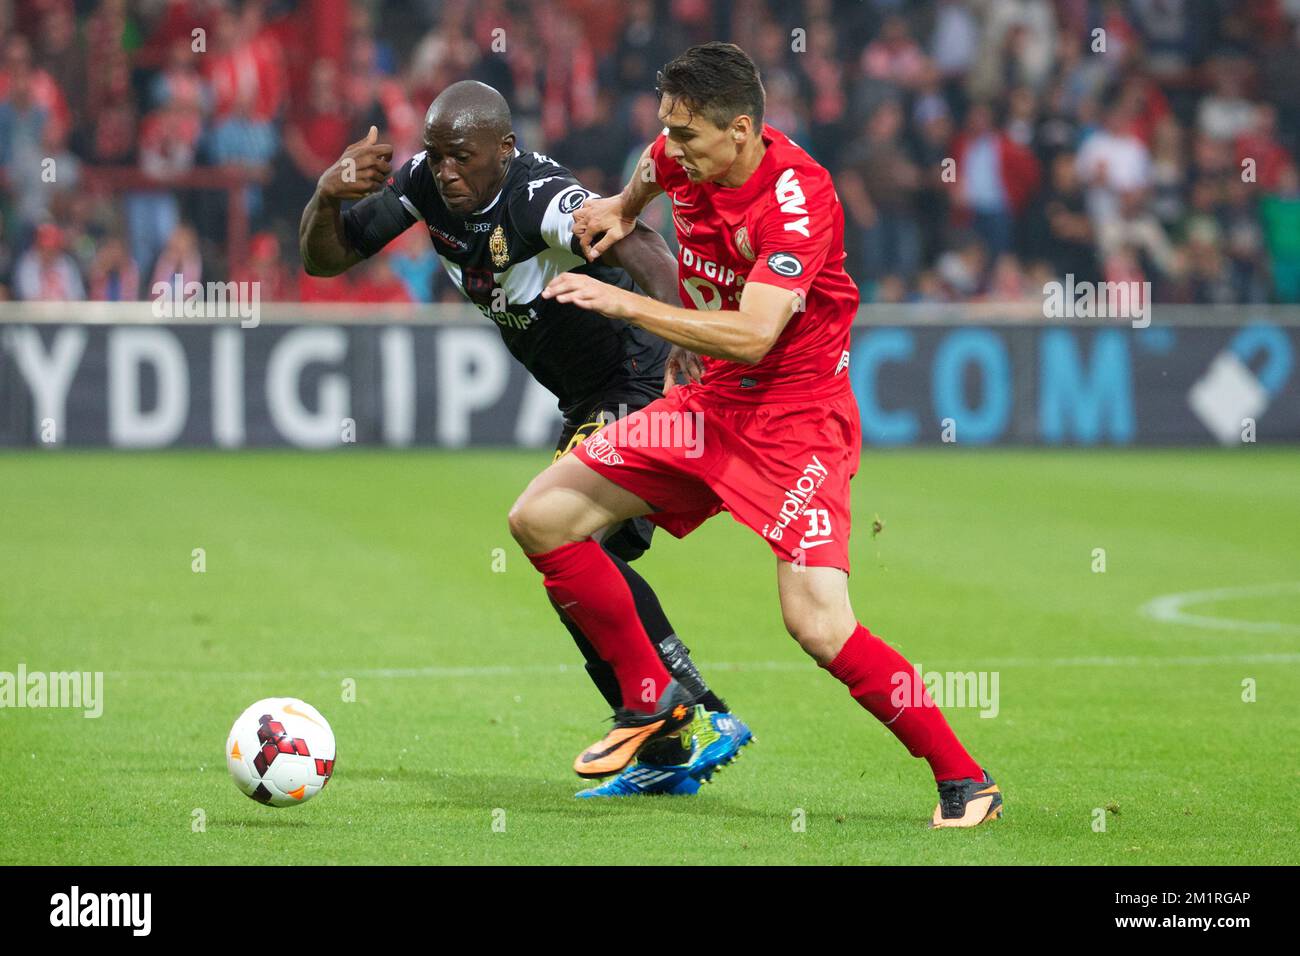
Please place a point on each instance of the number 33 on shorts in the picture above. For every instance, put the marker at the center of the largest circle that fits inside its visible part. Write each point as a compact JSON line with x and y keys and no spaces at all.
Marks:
{"x":819,"y":528}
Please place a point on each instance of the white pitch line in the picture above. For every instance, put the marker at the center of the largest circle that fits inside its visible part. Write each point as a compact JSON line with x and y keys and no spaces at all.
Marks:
{"x":508,"y":670}
{"x":1168,"y":608}
{"x":1182,"y":661}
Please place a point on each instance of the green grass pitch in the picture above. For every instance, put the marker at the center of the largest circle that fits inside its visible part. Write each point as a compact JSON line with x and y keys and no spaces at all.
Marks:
{"x":471,"y":701}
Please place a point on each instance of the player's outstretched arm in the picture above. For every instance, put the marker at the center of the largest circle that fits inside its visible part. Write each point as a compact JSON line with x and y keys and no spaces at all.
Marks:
{"x":743,"y":335}
{"x":362,"y":169}
{"x":602,"y":222}
{"x":645,"y":256}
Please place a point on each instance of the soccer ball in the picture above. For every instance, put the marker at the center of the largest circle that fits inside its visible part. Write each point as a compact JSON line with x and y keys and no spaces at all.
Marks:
{"x":280,"y":752}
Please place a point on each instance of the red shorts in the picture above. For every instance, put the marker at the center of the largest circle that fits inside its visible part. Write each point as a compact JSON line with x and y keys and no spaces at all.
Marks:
{"x":781,"y":469}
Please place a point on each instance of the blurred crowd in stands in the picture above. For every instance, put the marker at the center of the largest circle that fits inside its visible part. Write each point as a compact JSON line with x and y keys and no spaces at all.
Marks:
{"x":981,"y":148}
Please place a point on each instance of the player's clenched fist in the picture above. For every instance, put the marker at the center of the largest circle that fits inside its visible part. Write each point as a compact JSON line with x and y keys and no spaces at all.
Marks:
{"x":588,"y":293}
{"x":598,"y":216}
{"x":363,"y":168}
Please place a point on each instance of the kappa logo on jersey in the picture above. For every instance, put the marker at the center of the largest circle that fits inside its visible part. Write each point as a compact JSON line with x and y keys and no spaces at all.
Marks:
{"x":843,"y":362}
{"x":785,"y":264}
{"x":536,"y":184}
{"x":791,"y":198}
{"x":543,"y":158}
{"x":572,"y":199}
{"x":599,"y":448}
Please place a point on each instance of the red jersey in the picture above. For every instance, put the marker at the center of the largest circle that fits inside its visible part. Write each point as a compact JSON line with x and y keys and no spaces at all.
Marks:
{"x":783,"y":226}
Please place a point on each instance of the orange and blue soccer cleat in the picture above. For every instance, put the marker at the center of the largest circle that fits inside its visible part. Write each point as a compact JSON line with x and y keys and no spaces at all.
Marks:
{"x":712,"y":740}
{"x":632,"y":730}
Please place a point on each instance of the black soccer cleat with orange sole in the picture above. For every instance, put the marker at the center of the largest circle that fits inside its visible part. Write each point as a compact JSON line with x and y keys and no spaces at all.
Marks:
{"x":967,"y":803}
{"x":632,"y":730}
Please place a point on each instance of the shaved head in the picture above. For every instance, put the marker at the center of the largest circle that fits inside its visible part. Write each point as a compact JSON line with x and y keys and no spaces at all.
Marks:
{"x":471,"y":109}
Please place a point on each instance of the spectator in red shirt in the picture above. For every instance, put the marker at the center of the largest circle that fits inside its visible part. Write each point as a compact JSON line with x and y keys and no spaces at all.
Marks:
{"x":43,"y":89}
{"x":995,"y":179}
{"x":316,"y":138}
{"x":378,"y":283}
{"x":181,"y":80}
{"x":266,"y":267}
{"x":114,"y":117}
{"x":1260,"y":144}
{"x":246,"y":66}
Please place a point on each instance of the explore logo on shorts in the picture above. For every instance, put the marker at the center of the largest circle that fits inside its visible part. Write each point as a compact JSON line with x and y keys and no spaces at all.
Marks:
{"x":599,"y":448}
{"x":797,"y":499}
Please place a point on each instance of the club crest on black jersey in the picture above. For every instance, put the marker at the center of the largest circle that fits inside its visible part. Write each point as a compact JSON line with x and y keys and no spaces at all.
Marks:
{"x":502,"y":256}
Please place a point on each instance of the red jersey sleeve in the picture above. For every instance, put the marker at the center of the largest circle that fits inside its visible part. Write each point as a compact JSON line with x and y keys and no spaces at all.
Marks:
{"x":795,"y":234}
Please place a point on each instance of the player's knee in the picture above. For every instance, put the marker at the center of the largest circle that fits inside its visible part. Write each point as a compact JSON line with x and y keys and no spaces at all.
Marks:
{"x":816,"y":609}
{"x":819,"y":618}
{"x":528,"y":525}
{"x":815,"y":630}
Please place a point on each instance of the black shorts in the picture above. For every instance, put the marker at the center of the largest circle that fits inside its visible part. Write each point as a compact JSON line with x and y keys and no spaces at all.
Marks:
{"x":631,"y":539}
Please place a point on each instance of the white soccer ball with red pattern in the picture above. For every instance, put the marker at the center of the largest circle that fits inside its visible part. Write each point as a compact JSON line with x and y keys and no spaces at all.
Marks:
{"x":281,"y":752}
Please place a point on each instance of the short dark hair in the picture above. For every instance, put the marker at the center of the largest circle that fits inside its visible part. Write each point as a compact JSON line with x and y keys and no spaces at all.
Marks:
{"x":717,"y":80}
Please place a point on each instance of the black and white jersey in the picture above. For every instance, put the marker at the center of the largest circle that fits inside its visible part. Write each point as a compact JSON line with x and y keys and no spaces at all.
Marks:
{"x":502,"y":256}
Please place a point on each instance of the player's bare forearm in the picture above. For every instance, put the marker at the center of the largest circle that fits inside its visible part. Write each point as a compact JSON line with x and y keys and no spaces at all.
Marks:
{"x":734,"y":335}
{"x":645,"y":256}
{"x":641,"y":188}
{"x":742,"y":335}
{"x":360,"y":171}
{"x":324,"y":247}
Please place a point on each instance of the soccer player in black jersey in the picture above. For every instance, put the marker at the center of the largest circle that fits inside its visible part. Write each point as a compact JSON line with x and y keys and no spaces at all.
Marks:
{"x":501,"y":221}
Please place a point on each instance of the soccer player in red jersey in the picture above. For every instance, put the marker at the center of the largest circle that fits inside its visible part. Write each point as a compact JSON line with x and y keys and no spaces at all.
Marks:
{"x":768,"y":308}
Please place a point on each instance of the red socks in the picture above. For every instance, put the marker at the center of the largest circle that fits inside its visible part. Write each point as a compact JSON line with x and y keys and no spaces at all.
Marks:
{"x":585,"y":584}
{"x":867,"y":665}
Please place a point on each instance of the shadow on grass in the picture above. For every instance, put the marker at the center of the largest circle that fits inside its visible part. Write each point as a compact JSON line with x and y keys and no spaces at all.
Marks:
{"x":480,"y":791}
{"x":277,"y":822}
